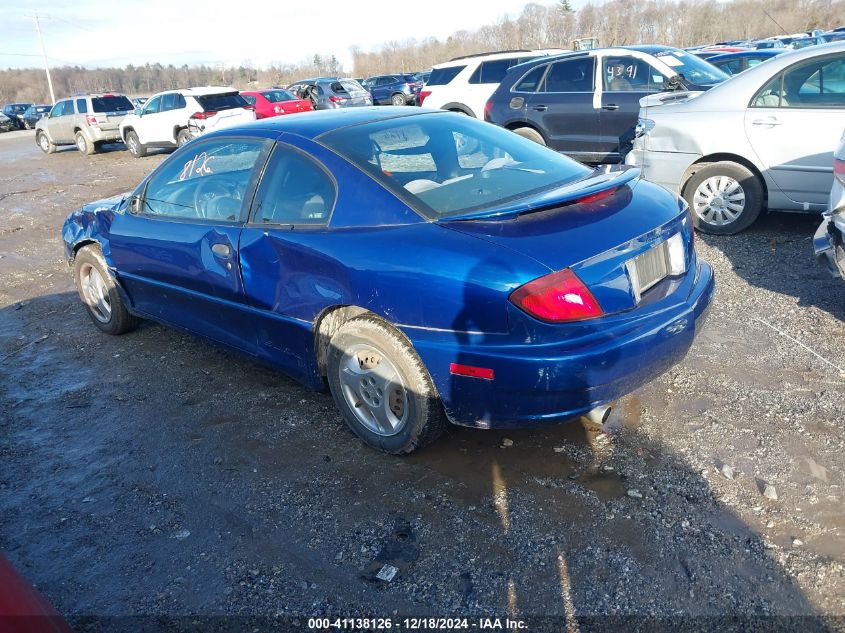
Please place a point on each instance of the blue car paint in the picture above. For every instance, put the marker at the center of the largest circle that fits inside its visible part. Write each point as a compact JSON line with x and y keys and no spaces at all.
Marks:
{"x":443,"y":284}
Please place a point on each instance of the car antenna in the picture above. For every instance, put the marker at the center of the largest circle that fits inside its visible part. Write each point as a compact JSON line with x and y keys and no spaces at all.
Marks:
{"x":775,"y":21}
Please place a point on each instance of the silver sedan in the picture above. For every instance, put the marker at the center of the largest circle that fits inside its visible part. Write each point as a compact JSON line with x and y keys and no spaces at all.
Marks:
{"x":760,"y":140}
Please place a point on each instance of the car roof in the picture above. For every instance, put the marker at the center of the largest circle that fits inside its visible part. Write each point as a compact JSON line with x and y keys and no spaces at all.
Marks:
{"x":322,"y":121}
{"x":468,"y":59}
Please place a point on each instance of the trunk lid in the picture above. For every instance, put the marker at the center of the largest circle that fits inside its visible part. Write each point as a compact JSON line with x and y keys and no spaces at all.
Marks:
{"x":596,"y":238}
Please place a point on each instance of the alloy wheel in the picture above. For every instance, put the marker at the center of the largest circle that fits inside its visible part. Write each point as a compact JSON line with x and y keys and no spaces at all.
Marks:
{"x":95,"y":292}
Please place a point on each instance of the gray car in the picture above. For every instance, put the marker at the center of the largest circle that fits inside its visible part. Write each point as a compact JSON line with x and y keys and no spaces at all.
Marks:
{"x":829,"y":241}
{"x":329,"y":93}
{"x":762,"y":139}
{"x":86,"y":121}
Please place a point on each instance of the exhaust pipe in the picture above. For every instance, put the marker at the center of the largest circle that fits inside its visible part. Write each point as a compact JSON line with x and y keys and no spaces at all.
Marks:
{"x":599,"y":415}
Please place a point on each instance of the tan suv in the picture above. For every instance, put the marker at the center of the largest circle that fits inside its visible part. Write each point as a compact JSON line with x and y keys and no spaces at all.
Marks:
{"x":86,"y":121}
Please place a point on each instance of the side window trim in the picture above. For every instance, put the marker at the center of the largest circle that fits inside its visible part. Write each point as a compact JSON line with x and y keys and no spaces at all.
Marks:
{"x":782,"y":74}
{"x":280,"y":146}
{"x":249,"y":191}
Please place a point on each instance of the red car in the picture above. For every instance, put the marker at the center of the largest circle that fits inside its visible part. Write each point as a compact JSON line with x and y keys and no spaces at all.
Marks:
{"x":276,"y":102}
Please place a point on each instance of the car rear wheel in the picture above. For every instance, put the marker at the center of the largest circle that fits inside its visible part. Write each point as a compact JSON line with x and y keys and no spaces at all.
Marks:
{"x":134,"y":145}
{"x":182,"y":137}
{"x":46,"y":145}
{"x":99,"y":293}
{"x":725,"y":198}
{"x":530,"y":134}
{"x":397,"y":100}
{"x":84,"y":146}
{"x":382,"y":388}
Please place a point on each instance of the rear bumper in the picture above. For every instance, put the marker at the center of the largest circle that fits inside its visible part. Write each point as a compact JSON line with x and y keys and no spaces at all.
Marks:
{"x":827,"y":244}
{"x":663,"y":168}
{"x":537,"y":384}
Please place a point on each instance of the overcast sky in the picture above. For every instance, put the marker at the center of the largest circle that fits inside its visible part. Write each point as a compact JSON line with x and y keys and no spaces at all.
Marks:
{"x":121,"y":32}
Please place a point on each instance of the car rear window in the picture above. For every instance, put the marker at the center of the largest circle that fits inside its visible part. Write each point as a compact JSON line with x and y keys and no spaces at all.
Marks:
{"x":348,"y":85}
{"x":225,"y":101}
{"x":442,"y":76}
{"x":443,"y":165}
{"x":111,"y":104}
{"x":493,"y":71}
{"x":275,"y":96}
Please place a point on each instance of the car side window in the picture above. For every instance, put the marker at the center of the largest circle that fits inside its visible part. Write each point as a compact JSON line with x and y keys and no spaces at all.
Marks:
{"x":209,"y":182}
{"x":168,"y":102}
{"x":629,"y":74}
{"x":572,"y":75}
{"x":819,"y":83}
{"x":294,"y":190}
{"x":58,"y":109}
{"x":152,"y":105}
{"x":250,"y":99}
{"x":491,"y":72}
{"x":531,"y":81}
{"x":81,"y":106}
{"x":734,"y":66}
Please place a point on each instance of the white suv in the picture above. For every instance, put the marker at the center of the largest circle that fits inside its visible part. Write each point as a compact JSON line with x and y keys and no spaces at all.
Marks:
{"x":174,"y":117}
{"x":465,"y":84}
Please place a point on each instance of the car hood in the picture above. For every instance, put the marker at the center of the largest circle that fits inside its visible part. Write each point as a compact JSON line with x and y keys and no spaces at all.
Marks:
{"x":571,"y":232}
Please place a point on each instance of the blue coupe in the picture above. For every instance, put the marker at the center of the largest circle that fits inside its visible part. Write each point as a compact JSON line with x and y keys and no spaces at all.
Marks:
{"x":425,"y":266}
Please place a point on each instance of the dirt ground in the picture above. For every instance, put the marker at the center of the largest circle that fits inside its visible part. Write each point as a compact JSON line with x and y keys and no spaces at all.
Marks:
{"x":157,"y":477}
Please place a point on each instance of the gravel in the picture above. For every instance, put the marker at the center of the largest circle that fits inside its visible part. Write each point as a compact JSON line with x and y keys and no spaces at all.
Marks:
{"x":155,"y":474}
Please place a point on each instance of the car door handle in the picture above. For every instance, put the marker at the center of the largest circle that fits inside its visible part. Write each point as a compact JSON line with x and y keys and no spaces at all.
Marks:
{"x":610,"y":106}
{"x":221,"y":250}
{"x":541,"y":108}
{"x":767,"y":121}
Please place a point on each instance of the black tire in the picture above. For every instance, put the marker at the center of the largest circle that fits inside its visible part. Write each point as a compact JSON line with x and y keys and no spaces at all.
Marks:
{"x":44,"y":143}
{"x":135,"y":147}
{"x":27,"y":125}
{"x":715,"y":216}
{"x":397,"y":100}
{"x":423,"y":418}
{"x":85,"y":147}
{"x":531,"y":134}
{"x":117,"y":320}
{"x":182,"y":137}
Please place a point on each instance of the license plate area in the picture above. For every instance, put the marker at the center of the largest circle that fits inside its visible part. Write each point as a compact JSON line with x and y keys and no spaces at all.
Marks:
{"x":649,"y":268}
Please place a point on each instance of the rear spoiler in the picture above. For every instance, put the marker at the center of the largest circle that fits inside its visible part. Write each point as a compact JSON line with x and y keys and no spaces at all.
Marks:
{"x":603,"y":178}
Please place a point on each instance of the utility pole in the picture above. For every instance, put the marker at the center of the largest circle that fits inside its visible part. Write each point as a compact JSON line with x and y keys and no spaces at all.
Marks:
{"x":44,"y":54}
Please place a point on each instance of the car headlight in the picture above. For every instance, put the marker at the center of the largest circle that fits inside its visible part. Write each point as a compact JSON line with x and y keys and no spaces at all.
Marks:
{"x":644,"y":126}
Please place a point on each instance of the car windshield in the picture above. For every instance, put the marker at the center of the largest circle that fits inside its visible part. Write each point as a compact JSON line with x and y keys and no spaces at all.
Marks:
{"x":225,"y":101}
{"x":18,"y":108}
{"x":693,"y":68}
{"x":275,"y":96}
{"x":111,"y":103}
{"x":447,"y":165}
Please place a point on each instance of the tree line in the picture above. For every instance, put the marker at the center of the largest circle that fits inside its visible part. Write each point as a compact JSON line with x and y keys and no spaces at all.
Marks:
{"x":679,"y":23}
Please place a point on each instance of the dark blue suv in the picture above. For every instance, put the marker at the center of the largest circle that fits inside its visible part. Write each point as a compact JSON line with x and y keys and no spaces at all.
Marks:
{"x":393,"y":89}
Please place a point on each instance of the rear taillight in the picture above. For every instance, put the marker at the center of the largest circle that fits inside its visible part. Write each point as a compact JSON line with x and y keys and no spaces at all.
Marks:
{"x":557,"y":297}
{"x":423,"y":95}
{"x":90,"y":119}
{"x":487,"y":107}
{"x":249,"y":107}
{"x":336,"y":99}
{"x":277,"y":109}
{"x":839,"y":169}
{"x":203,"y":115}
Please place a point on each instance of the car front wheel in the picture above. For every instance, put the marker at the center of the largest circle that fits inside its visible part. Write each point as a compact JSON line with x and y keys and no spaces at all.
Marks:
{"x":725,"y":198}
{"x":47,"y":146}
{"x":134,"y":145}
{"x":183,"y":137}
{"x":99,"y":293}
{"x":382,"y":388}
{"x":397,"y":100}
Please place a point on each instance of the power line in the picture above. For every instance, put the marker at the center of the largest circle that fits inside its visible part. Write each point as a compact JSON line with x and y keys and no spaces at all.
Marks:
{"x":44,"y":53}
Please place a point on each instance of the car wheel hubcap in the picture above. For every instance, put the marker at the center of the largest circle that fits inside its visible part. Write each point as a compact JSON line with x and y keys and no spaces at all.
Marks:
{"x":80,"y":143}
{"x":95,"y":292}
{"x":373,"y":389}
{"x":133,"y":146}
{"x":719,"y":200}
{"x":44,"y":143}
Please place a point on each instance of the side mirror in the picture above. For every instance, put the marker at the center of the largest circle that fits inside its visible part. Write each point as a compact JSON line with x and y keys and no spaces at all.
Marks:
{"x":135,"y":205}
{"x":675,"y":82}
{"x":138,"y":111}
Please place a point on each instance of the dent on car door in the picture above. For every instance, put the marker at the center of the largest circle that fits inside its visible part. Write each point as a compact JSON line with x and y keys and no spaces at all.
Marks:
{"x":287,"y":277}
{"x":625,"y":80}
{"x":792,"y":124}
{"x":563,"y":108}
{"x":176,"y":247}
